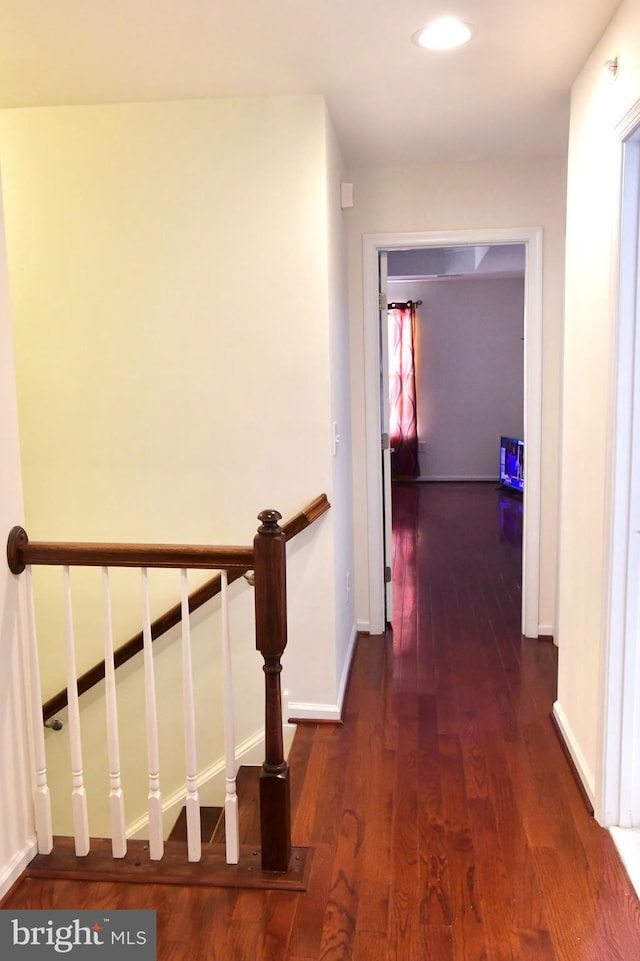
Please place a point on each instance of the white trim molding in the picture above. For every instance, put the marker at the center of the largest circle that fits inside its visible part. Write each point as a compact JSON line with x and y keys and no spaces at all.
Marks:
{"x":618,"y":767}
{"x":18,"y":863}
{"x":307,"y":711}
{"x":346,"y":669}
{"x":582,"y":768}
{"x":373,"y":244}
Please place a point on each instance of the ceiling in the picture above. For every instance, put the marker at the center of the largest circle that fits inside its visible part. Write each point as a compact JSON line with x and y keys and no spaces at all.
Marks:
{"x":443,"y":263}
{"x":504,"y":95}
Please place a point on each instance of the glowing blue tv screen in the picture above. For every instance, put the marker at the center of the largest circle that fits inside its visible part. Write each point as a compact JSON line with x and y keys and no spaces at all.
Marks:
{"x":512,"y":463}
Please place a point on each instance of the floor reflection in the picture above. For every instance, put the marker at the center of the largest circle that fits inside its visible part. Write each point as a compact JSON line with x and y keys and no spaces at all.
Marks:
{"x":510,"y":519}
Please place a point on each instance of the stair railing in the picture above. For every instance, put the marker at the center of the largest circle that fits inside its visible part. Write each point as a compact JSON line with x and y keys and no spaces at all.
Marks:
{"x":267,"y":559}
{"x":171,"y":618}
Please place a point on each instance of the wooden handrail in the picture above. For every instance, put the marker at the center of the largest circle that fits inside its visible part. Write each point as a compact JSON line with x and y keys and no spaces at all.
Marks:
{"x":306,"y":517}
{"x":20,"y":551}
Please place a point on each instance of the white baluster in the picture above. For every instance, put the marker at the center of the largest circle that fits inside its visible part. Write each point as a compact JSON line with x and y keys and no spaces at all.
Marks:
{"x":78,"y":793}
{"x":231,"y":798}
{"x":156,"y":841}
{"x":116,"y":796}
{"x":194,"y":843}
{"x":41,"y":799}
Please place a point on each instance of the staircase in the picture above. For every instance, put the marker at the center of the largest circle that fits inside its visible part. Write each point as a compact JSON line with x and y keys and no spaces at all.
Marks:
{"x":258,"y":837}
{"x":212,"y":818}
{"x":211,"y":871}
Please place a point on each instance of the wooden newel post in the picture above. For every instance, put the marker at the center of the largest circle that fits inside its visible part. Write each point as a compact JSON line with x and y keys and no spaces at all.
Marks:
{"x":271,"y":640}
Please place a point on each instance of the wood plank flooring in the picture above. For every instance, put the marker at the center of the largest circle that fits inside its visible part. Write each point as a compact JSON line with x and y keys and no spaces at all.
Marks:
{"x":445,"y":823}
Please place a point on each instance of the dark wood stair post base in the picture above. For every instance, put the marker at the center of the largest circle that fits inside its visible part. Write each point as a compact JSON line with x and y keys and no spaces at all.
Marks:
{"x":275,"y":820}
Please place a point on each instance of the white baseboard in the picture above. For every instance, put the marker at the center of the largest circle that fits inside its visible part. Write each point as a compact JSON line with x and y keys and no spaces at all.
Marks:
{"x":363,"y":627}
{"x":457,"y":477}
{"x":12,"y":870}
{"x":582,"y":768}
{"x":309,"y":711}
{"x":346,"y":667}
{"x":546,"y":630}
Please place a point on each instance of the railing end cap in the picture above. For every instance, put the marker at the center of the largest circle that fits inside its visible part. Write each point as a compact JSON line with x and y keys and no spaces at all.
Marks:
{"x":16,"y":543}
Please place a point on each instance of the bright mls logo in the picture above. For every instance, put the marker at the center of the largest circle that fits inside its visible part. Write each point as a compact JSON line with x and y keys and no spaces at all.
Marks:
{"x":81,"y":935}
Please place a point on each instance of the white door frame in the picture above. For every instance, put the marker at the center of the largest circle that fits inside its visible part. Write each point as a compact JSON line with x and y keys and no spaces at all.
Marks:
{"x":385,"y":416}
{"x":531,"y":237}
{"x":617,"y":800}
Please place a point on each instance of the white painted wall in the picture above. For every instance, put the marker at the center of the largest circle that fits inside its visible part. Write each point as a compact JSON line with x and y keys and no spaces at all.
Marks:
{"x":598,"y":103}
{"x":16,"y":826}
{"x":469,"y":372}
{"x":457,"y":197}
{"x":309,"y":706}
{"x":341,"y":448}
{"x":178,"y":297}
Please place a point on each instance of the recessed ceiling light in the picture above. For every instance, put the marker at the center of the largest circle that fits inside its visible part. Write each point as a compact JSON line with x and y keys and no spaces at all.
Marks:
{"x":443,"y":34}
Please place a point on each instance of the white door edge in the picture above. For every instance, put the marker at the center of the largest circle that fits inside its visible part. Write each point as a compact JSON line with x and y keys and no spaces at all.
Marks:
{"x":618,"y":764}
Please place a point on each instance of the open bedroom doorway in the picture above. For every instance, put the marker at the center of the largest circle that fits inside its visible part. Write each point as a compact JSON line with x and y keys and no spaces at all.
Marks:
{"x":413,"y":246}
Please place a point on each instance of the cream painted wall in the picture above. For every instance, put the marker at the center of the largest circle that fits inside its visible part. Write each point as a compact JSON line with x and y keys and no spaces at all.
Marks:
{"x":155,"y":332}
{"x":598,"y":103}
{"x":458,"y":197}
{"x":16,"y":827}
{"x":176,"y":288}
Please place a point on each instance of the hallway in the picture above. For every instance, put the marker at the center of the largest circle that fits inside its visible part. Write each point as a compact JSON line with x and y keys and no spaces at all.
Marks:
{"x":445,"y":822}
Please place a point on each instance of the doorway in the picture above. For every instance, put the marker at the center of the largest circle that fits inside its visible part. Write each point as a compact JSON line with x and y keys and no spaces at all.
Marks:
{"x":373,"y":246}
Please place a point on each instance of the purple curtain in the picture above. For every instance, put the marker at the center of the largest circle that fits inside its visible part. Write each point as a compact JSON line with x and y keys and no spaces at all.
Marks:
{"x":402,"y":393}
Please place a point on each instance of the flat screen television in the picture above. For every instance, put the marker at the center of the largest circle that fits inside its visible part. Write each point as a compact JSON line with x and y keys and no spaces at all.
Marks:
{"x":512,"y":464}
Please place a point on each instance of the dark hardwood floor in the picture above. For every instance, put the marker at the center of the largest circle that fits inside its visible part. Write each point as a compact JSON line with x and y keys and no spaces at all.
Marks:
{"x":445,"y":822}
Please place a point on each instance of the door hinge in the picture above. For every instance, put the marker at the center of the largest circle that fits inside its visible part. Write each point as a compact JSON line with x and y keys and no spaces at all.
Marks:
{"x":387,"y":575}
{"x":383,"y":303}
{"x":385,"y":441}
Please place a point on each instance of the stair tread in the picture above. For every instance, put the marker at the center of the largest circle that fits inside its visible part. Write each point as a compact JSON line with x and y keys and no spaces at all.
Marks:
{"x":209,"y":819}
{"x":248,"y":790}
{"x":212,"y":818}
